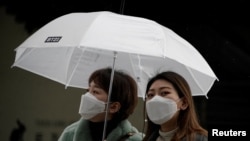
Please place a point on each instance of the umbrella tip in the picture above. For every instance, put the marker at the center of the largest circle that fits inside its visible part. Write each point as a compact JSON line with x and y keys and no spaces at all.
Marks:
{"x":206,"y":96}
{"x":12,"y":66}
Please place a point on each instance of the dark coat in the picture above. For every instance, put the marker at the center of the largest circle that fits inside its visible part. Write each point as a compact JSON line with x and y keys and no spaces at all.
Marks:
{"x":198,"y":137}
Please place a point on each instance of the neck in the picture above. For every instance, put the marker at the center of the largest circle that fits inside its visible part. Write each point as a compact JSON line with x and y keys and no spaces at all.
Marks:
{"x":96,"y":129}
{"x":170,"y":125}
{"x":166,"y":127}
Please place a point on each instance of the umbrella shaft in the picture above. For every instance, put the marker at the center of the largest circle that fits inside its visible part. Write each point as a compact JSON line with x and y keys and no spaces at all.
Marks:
{"x":109,"y":96}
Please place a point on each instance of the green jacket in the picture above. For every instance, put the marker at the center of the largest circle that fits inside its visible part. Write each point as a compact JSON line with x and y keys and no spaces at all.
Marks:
{"x":79,"y":131}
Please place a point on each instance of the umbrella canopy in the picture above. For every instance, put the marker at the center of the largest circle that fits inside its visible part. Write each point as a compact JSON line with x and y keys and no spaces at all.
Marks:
{"x":69,"y":48}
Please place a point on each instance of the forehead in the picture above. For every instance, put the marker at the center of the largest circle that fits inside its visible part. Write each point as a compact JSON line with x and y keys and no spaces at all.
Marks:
{"x":93,"y":84}
{"x":161,"y":84}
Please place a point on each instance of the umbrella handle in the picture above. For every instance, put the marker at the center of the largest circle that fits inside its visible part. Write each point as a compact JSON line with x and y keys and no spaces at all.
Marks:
{"x":122,"y":6}
{"x":109,"y":96}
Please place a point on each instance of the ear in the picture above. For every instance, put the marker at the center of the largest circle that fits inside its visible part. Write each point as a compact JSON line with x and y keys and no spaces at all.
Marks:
{"x":114,"y":107}
{"x":184,"y":104}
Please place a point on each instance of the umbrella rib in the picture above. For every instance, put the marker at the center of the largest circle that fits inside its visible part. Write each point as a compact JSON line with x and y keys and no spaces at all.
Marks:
{"x":137,"y":76}
{"x":164,"y":39}
{"x":71,"y":75}
{"x":21,"y":58}
{"x":139,"y":65}
{"x":196,"y":81}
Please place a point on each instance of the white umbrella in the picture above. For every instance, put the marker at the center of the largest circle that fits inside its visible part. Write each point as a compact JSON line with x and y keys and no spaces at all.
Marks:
{"x":71,"y":47}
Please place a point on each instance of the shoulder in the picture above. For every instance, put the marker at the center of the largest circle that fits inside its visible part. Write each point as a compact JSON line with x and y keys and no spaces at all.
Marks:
{"x":132,"y":136}
{"x":69,"y":131}
{"x":135,"y":136}
{"x":200,"y":137}
{"x":132,"y":132}
{"x":128,"y":131}
{"x":71,"y":127}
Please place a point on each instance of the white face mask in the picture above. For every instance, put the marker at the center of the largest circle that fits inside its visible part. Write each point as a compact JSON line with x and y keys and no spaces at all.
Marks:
{"x":160,"y":109}
{"x":90,"y":106}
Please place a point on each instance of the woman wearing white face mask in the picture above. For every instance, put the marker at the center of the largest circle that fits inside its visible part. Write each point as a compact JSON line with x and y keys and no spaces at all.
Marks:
{"x":93,"y":108}
{"x":170,"y":110}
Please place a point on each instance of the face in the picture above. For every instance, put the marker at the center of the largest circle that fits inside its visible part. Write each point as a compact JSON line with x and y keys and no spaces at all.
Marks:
{"x":101,"y":95}
{"x":164,"y":89}
{"x":98,"y":92}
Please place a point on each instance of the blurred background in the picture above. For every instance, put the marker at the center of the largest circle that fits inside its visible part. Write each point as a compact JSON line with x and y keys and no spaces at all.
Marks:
{"x":43,"y":108}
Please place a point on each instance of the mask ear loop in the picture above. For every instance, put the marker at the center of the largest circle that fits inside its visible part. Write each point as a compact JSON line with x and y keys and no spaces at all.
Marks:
{"x":179,"y":101}
{"x":176,"y":101}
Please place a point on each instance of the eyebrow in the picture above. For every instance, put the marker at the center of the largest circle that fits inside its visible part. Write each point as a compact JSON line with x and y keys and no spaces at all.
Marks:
{"x":163,"y":87}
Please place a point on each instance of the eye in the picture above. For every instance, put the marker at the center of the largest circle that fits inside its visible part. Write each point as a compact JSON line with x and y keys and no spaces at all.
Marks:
{"x":164,"y":93}
{"x":150,"y":95}
{"x":95,"y":92}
